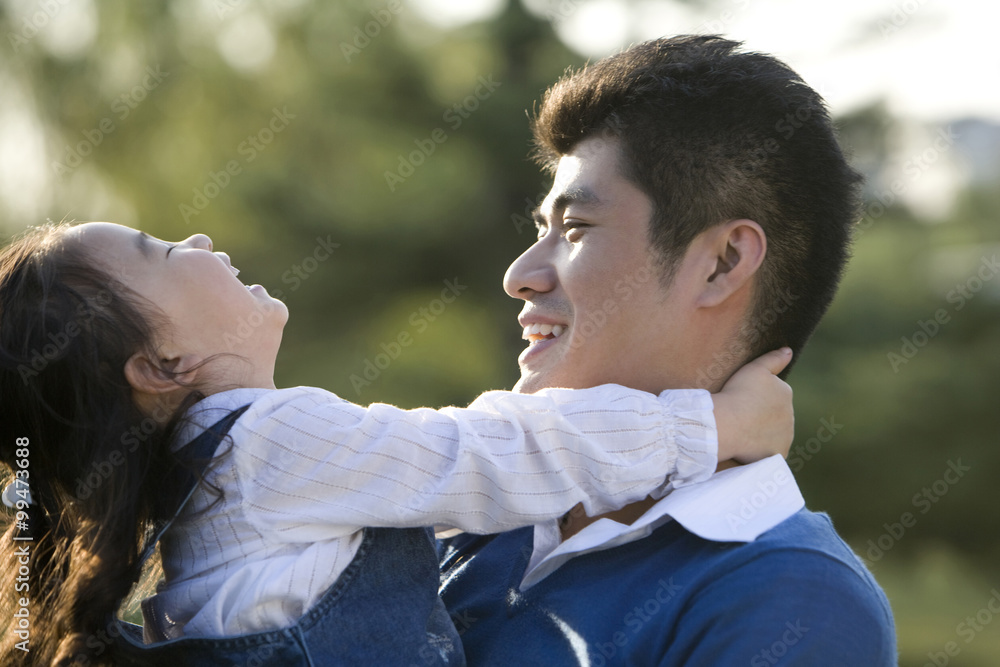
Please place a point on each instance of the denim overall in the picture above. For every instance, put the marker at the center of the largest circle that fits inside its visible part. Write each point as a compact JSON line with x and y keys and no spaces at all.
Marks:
{"x":383,"y":610}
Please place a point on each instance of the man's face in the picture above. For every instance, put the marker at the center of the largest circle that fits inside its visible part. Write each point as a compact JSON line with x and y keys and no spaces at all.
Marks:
{"x":592,"y":283}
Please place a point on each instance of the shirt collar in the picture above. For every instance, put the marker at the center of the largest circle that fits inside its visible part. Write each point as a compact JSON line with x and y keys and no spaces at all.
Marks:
{"x":734,"y":505}
{"x":211,"y":409}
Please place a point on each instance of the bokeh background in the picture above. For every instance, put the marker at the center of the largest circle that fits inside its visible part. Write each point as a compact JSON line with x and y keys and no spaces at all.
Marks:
{"x":359,"y":158}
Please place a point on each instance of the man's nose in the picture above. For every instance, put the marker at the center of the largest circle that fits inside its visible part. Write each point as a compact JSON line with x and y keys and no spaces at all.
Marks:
{"x":531,"y":273}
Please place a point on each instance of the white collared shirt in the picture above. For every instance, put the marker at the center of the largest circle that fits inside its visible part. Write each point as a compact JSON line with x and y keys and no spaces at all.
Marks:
{"x":734,"y":505}
{"x":306,"y":471}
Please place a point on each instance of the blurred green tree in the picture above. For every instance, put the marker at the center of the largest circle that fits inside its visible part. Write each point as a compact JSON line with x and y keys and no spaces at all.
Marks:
{"x":364,"y":163}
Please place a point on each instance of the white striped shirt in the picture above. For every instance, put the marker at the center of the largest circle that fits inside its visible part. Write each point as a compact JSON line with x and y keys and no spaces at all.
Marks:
{"x":306,"y":471}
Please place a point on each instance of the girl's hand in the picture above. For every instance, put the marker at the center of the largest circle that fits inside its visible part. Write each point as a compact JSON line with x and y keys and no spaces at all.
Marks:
{"x":753,"y":411}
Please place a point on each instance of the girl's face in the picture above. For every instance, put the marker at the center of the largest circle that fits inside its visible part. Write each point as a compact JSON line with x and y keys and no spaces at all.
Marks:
{"x":210,"y":312}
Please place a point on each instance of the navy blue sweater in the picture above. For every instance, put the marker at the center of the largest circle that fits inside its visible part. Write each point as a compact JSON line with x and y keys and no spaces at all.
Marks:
{"x":797,"y":595}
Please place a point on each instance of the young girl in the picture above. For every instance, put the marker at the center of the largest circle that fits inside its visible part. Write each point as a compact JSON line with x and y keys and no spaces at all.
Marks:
{"x":125,"y":360}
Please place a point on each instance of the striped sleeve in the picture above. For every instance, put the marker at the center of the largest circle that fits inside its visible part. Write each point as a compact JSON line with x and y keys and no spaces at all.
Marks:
{"x":306,"y":457}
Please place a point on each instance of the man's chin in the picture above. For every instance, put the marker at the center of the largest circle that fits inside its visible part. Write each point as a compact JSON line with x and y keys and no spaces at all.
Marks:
{"x":519,"y":387}
{"x":530,"y":383}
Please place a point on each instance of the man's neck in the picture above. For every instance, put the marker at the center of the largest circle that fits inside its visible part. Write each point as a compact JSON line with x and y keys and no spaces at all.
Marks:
{"x":576,"y":519}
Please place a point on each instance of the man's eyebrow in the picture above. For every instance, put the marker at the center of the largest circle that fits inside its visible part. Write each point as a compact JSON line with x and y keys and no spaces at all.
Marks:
{"x":142,"y":243}
{"x":579,"y":196}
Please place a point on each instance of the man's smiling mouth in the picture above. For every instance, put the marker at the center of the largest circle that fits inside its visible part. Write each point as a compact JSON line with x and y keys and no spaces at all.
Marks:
{"x":535,"y":333}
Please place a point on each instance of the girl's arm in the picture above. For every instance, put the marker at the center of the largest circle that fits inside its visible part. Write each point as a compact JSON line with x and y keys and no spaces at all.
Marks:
{"x":306,"y":457}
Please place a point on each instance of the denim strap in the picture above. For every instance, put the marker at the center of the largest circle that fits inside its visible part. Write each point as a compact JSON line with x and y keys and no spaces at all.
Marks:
{"x":184,"y":478}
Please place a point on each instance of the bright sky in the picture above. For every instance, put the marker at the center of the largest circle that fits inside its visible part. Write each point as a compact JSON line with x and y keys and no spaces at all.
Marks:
{"x":931,"y":60}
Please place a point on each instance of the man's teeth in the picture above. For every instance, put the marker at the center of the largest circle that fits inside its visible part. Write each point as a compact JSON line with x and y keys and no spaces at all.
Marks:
{"x":536,"y":332}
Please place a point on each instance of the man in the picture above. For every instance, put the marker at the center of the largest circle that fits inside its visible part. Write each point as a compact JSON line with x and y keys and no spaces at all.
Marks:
{"x":700,"y":215}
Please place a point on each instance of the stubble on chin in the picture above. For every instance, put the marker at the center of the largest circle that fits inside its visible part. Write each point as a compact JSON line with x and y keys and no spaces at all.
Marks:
{"x":528,"y":384}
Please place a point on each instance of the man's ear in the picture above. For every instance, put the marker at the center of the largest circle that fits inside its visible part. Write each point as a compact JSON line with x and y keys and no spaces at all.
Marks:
{"x":739,"y":247}
{"x":157,"y":376}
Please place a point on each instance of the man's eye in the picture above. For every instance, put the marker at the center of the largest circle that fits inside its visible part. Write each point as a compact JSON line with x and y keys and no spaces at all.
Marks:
{"x":573,"y":230}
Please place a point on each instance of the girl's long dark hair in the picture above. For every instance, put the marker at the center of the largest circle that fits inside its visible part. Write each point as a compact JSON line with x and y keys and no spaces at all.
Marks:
{"x":95,"y":462}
